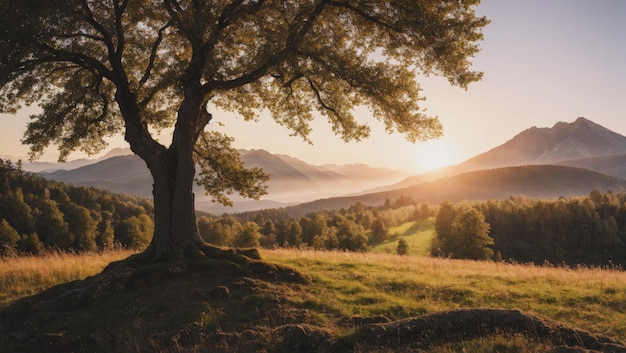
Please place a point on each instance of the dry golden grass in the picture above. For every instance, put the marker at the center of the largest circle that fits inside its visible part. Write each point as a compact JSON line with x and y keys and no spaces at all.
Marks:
{"x":26,"y":275}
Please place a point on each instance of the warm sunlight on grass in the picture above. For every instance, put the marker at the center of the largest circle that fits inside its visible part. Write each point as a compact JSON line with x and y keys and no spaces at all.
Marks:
{"x":27,"y":275}
{"x":347,"y":285}
{"x":366,"y":284}
{"x":419,"y":236}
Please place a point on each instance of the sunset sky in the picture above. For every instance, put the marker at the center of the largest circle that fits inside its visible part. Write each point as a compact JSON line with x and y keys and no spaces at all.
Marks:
{"x":544,"y":62}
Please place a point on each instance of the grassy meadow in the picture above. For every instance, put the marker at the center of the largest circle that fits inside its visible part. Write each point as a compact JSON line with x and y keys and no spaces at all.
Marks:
{"x":369,"y":284}
{"x":418,"y":234}
{"x":345,"y":286}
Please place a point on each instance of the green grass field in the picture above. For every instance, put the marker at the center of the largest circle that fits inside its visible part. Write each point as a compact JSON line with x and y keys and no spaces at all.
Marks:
{"x":418,"y":235}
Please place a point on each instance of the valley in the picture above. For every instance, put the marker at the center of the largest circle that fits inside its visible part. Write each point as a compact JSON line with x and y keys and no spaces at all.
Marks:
{"x":533,"y":163}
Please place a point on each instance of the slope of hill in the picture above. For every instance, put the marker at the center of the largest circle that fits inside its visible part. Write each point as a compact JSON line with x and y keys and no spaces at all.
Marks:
{"x":564,"y":141}
{"x":614,"y":165}
{"x":38,"y":214}
{"x":536,"y":181}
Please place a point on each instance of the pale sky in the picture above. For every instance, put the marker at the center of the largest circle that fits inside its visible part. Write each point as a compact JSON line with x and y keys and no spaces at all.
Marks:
{"x":544,"y":61}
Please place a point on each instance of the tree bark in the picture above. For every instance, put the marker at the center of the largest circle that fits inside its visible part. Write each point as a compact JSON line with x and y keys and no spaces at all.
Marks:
{"x":173,"y":173}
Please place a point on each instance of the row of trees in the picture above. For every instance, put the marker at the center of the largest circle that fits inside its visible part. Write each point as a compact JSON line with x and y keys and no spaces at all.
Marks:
{"x":355,"y":228}
{"x":36,"y":214}
{"x":588,"y":230}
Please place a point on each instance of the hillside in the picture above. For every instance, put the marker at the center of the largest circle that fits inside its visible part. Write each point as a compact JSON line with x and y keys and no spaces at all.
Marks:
{"x":122,"y":174}
{"x":313,"y":301}
{"x":537,"y":181}
{"x":37,"y":214}
{"x":614,"y":165}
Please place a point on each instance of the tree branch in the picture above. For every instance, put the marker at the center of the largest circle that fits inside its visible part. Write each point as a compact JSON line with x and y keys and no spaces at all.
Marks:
{"x":81,"y":60}
{"x":153,"y":53}
{"x":320,"y":100}
{"x":106,"y":38}
{"x":119,"y":28}
{"x":293,"y":41}
{"x":363,"y":14}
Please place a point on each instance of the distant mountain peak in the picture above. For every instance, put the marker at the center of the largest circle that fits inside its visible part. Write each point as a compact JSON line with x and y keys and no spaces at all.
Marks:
{"x":564,"y":141}
{"x":116,"y":152}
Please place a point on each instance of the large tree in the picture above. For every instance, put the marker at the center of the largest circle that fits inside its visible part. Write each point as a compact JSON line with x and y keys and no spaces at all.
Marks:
{"x":100,"y":68}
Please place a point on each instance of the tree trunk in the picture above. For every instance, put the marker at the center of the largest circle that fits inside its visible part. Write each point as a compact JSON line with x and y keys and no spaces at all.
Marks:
{"x":173,"y":172}
{"x":174,"y":212}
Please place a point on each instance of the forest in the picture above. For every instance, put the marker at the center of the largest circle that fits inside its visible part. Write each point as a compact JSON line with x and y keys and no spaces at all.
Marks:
{"x":37,"y":214}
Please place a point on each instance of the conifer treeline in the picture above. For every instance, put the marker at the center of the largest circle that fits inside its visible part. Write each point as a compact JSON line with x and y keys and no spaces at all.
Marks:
{"x":586,"y":230}
{"x":38,"y":214}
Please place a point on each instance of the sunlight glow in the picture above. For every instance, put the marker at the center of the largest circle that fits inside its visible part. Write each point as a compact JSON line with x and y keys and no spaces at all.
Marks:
{"x":432,"y":155}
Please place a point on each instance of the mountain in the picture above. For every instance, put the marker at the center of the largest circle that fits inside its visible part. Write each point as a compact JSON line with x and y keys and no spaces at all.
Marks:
{"x":116,"y":152}
{"x":562,"y":142}
{"x":291,"y":180}
{"x":49,"y":167}
{"x":37,"y":167}
{"x":582,"y":144}
{"x":535,"y":181}
{"x":568,"y":159}
{"x":122,"y":174}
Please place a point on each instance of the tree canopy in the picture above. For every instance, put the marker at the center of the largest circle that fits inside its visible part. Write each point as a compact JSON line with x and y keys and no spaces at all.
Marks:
{"x":100,"y":68}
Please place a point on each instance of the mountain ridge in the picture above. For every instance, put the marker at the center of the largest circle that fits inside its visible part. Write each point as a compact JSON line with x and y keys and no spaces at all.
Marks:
{"x":580,"y":144}
{"x":291,"y":181}
{"x":534,"y":141}
{"x":564,"y":141}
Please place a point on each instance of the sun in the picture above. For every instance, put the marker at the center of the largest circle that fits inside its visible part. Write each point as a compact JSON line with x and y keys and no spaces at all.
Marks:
{"x":432,"y":155}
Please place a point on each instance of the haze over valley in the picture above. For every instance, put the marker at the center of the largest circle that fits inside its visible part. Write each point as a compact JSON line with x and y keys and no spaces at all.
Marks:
{"x":567,"y":159}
